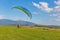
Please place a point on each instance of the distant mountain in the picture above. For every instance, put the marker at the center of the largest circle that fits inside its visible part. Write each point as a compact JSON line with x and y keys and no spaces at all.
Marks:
{"x":11,"y":22}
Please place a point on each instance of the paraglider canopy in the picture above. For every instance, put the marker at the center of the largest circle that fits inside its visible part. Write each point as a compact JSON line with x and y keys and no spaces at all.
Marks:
{"x":26,"y":11}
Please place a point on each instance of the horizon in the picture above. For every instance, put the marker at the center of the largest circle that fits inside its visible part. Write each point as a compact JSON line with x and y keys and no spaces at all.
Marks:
{"x":43,"y":11}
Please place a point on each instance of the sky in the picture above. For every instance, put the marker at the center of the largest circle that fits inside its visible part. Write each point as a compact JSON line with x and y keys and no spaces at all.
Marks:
{"x":44,"y":12}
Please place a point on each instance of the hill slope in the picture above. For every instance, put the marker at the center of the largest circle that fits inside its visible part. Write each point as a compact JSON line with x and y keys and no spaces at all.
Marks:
{"x":9,"y":22}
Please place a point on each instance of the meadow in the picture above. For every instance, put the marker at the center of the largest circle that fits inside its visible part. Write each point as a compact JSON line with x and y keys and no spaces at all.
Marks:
{"x":28,"y":33}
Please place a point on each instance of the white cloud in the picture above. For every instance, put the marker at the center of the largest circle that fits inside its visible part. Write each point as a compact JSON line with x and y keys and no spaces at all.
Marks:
{"x":36,"y":5}
{"x":55,"y":11}
{"x":42,"y":6}
{"x":57,"y":2}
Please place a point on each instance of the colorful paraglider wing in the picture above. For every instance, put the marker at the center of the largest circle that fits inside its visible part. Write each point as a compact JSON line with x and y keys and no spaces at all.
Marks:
{"x":27,"y":12}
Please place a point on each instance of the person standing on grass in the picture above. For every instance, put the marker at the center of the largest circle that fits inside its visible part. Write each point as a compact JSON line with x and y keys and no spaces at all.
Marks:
{"x":18,"y":26}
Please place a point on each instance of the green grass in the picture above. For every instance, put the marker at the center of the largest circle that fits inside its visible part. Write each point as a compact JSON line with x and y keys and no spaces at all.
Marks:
{"x":25,"y":33}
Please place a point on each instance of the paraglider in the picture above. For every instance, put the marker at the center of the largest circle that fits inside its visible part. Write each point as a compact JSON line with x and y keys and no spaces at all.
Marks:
{"x":26,"y":11}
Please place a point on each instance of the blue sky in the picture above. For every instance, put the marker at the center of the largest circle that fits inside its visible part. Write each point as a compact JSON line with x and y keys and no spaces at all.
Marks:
{"x":46,"y":12}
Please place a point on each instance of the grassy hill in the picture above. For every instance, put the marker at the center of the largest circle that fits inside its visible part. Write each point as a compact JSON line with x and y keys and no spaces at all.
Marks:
{"x":28,"y":33}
